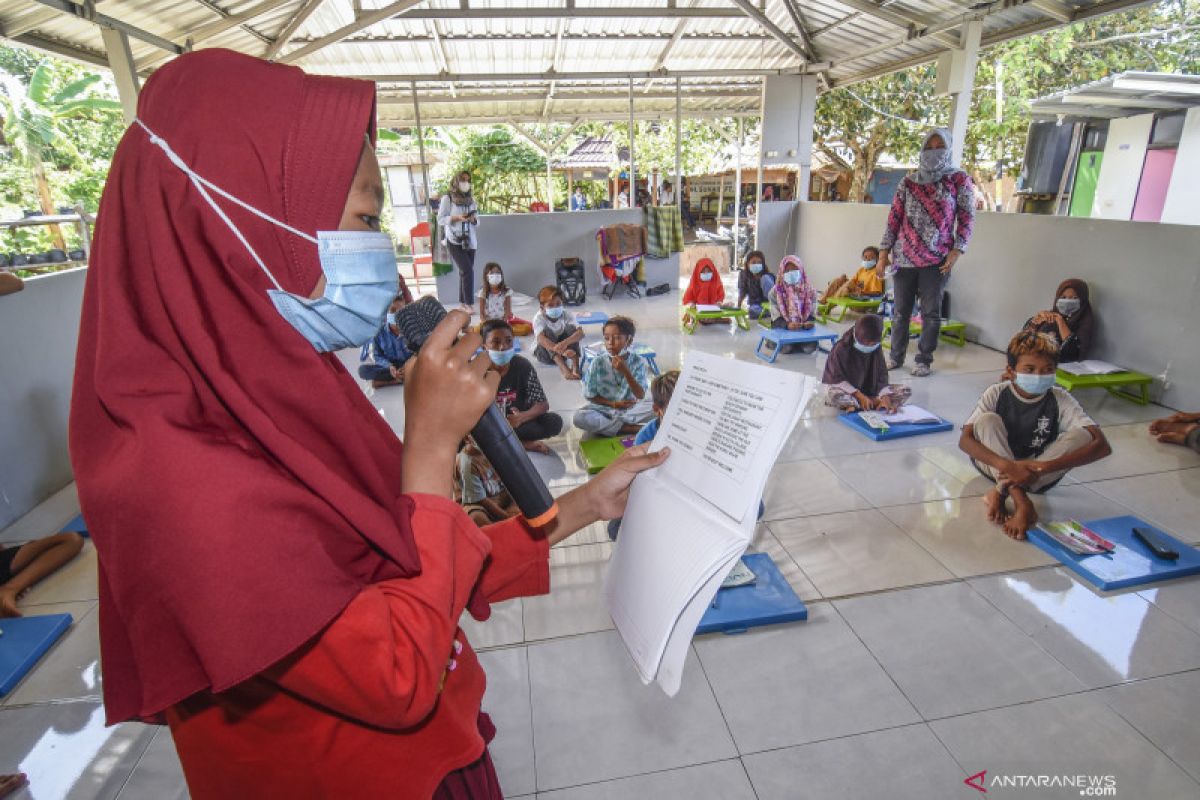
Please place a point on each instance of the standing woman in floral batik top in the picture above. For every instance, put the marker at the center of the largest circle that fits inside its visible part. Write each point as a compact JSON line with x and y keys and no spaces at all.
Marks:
{"x":928,"y":228}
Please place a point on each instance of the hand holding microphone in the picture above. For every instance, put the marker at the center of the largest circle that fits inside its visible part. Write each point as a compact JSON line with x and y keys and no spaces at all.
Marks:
{"x":450,"y":393}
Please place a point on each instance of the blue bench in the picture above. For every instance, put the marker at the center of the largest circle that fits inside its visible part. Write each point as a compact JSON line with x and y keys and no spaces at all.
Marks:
{"x":781,"y":336}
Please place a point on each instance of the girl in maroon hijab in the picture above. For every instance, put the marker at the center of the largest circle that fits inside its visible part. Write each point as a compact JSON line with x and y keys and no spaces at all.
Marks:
{"x":281,"y":580}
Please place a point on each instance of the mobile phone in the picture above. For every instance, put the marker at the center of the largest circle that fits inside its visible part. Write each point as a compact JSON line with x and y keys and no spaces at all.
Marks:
{"x":1157,"y":544}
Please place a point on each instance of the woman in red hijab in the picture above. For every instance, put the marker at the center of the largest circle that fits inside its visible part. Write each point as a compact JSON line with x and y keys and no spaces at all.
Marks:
{"x":281,"y":580}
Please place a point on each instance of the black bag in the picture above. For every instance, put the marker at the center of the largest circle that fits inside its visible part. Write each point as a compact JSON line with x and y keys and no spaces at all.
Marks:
{"x":568,"y":275}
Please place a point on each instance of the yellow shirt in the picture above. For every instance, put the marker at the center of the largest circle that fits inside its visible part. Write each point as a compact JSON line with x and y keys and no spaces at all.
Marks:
{"x":869,"y":281}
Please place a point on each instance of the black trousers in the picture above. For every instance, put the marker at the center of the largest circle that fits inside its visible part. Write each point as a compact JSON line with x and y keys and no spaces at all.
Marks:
{"x":464,"y":260}
{"x":924,"y":284}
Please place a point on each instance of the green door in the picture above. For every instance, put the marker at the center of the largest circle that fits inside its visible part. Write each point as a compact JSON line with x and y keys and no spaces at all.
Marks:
{"x":1086,"y":175}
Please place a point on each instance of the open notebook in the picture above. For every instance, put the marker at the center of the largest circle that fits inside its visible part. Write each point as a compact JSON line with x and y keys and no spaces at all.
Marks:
{"x":689,"y":520}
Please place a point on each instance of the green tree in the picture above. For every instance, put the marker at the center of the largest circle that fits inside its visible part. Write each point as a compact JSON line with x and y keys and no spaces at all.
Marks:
{"x":34,"y":124}
{"x":859,"y":123}
{"x":503,"y":170}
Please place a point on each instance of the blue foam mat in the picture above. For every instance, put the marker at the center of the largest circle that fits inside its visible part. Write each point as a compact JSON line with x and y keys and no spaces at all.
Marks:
{"x":895,"y":431}
{"x":76,"y":525}
{"x":767,"y":601}
{"x":592,"y":318}
{"x":1131,"y":564}
{"x":24,"y":640}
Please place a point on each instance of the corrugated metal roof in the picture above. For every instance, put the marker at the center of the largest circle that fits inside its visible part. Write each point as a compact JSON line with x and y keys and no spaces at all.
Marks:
{"x":1121,"y":96}
{"x":527,"y":60}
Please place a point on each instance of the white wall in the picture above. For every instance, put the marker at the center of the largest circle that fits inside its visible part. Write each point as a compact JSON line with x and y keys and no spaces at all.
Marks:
{"x":38,"y":330}
{"x":1182,"y":206}
{"x":1144,"y":278}
{"x":527,"y":245}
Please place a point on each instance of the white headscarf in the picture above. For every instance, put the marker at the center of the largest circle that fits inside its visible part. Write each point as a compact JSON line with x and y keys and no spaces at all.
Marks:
{"x":944,"y":166}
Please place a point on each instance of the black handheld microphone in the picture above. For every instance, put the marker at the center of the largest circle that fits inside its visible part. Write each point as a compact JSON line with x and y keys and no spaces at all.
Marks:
{"x":495,"y":437}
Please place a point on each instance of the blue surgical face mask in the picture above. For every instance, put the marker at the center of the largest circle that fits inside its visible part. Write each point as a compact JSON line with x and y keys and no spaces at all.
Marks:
{"x":501,"y":357}
{"x":1034,"y":384}
{"x":391,"y":319}
{"x":868,"y":263}
{"x":865,"y":348}
{"x":756,"y":267}
{"x":792,"y":277}
{"x":706,"y":276}
{"x":554,"y":312}
{"x":1068,"y":305}
{"x":361,"y":278}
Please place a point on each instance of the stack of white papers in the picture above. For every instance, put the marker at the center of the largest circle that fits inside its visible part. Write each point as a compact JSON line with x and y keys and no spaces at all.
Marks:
{"x":689,"y":520}
{"x":707,"y":307}
{"x":1090,"y":367}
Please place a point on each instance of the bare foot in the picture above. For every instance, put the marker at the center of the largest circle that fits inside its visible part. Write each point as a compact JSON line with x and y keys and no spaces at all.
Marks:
{"x":997,"y":511}
{"x":1173,"y":432}
{"x":8,"y":607}
{"x":1023,"y":518}
{"x":10,"y":783}
{"x":537,"y":447}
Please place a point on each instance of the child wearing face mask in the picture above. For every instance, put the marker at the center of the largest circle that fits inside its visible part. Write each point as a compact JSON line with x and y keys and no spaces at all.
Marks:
{"x":865,"y":283}
{"x":495,"y":298}
{"x":755,"y":281}
{"x":557,"y":333}
{"x":388,"y":352}
{"x":793,"y":302}
{"x":856,"y":373}
{"x":519,"y":395}
{"x":1069,"y":322}
{"x":615,"y":385}
{"x":705,"y":288}
{"x":1026,"y":433}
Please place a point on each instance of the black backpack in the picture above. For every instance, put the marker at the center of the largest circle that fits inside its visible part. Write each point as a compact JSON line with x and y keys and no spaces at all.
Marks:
{"x":568,"y":276}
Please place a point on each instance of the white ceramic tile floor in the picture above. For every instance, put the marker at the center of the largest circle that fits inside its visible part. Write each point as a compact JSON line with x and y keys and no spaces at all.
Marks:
{"x":828,"y":708}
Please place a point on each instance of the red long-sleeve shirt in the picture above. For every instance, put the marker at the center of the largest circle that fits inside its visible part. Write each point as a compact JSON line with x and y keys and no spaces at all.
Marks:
{"x":357,"y":712}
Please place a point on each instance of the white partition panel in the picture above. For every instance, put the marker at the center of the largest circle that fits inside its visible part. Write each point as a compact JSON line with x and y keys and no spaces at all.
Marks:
{"x":1183,"y":196}
{"x":1121,"y":172}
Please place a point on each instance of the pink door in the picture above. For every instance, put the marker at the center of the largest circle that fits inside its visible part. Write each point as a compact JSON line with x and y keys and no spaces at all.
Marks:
{"x":1152,"y":191}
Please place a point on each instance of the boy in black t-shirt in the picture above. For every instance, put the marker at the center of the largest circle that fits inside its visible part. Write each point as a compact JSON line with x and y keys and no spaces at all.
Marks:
{"x":520,"y":395}
{"x":1027,"y":432}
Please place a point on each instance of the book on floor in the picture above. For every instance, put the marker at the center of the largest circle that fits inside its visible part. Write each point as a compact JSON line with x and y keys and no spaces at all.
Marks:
{"x":688,"y":521}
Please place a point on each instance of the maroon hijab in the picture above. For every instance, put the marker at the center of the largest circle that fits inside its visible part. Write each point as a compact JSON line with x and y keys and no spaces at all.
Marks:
{"x":239,"y":487}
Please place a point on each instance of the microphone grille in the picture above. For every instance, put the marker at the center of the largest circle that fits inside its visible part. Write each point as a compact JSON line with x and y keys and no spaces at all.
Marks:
{"x":417,"y":320}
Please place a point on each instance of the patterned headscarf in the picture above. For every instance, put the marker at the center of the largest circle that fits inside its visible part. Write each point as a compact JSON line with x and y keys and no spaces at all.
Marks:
{"x":944,"y":166}
{"x":796,"y":303}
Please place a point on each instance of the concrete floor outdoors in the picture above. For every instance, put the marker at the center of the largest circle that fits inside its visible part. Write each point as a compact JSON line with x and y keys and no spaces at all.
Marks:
{"x":935,"y":647}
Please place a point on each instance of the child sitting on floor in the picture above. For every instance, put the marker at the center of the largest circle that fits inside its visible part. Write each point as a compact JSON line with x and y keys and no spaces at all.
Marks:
{"x":557,"y":333}
{"x":388,"y":350}
{"x":495,"y":298}
{"x":793,"y":302}
{"x":856,"y":372}
{"x":1070,"y":323}
{"x":865,"y":282}
{"x":519,"y":395}
{"x":705,"y":288}
{"x":615,"y":385}
{"x":661,"y":389}
{"x":1026,"y":433}
{"x":478,"y":489}
{"x":755,"y":281}
{"x":23,"y":565}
